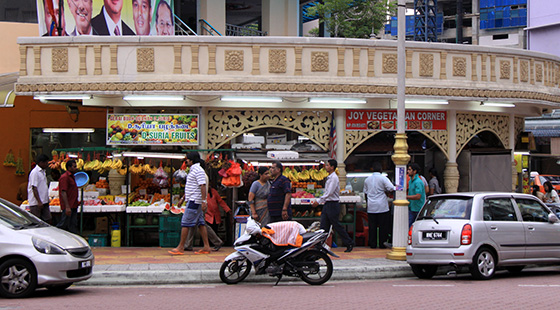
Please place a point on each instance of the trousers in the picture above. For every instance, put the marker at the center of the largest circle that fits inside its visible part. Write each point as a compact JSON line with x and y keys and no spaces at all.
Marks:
{"x":329,"y":217}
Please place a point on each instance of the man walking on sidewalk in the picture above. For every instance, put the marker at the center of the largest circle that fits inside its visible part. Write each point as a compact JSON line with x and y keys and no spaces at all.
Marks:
{"x":68,"y":193}
{"x":376,"y":188}
{"x":38,"y":191}
{"x":331,"y":205}
{"x":416,"y":192}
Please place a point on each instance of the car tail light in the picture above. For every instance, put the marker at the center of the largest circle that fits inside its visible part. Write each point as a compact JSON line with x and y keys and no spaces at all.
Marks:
{"x":466,"y":235}
{"x":410,"y":235}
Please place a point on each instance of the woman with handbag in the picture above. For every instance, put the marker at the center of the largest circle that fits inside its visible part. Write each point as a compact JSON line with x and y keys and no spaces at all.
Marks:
{"x":258,"y":195}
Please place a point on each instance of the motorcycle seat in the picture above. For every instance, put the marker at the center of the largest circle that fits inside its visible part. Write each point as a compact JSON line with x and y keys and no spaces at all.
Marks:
{"x":308,"y":236}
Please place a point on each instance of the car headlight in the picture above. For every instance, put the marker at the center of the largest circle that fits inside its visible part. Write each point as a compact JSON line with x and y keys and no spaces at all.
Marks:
{"x":46,"y":247}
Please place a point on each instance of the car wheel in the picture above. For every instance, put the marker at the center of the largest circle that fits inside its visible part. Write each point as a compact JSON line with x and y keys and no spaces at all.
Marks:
{"x":484,"y":263}
{"x":515,"y":269}
{"x":18,"y":278}
{"x":424,"y":271}
{"x":59,"y":287}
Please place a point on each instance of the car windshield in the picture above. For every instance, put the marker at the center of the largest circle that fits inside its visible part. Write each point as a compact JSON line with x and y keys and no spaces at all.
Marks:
{"x":446,"y":208}
{"x":14,"y":217}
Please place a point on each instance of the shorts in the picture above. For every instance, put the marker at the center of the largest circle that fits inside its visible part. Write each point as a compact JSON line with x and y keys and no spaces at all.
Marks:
{"x":193,"y":215}
{"x":44,"y":212}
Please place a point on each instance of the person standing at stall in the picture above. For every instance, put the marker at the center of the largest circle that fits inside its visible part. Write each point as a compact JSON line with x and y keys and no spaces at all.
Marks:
{"x":280,"y":195}
{"x":197,"y":205}
{"x":376,"y":188}
{"x":331,"y":205}
{"x":416,"y":192}
{"x":258,"y":194}
{"x":38,"y":191}
{"x":68,"y":193}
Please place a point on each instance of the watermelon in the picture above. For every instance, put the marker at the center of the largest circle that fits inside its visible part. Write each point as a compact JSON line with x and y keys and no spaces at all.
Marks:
{"x":175,"y":210}
{"x":140,"y":221}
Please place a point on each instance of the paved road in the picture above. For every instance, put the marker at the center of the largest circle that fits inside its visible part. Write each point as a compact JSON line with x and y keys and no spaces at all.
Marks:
{"x":534,"y":289}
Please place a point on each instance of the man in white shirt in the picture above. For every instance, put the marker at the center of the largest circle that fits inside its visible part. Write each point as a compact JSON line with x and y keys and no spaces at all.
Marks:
{"x":331,"y":206}
{"x":376,"y":188}
{"x":37,"y":190}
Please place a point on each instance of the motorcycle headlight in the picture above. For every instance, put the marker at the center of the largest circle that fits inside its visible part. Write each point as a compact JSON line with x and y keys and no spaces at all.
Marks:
{"x":47,"y":247}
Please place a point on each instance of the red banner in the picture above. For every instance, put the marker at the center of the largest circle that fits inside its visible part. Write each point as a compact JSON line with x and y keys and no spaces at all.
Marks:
{"x":387,"y":120}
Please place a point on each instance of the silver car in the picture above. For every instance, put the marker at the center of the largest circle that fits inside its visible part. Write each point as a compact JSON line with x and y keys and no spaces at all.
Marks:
{"x":482,"y":231}
{"x":34,"y":254}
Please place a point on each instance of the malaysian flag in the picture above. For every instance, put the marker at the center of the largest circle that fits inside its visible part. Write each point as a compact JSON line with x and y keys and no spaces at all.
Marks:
{"x":332,"y":136}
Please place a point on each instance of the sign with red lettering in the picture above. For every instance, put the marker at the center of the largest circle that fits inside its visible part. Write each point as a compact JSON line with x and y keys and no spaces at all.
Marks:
{"x":387,"y":120}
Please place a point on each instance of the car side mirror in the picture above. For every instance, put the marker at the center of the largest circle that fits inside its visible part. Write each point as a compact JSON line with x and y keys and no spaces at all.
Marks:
{"x":552,"y":218}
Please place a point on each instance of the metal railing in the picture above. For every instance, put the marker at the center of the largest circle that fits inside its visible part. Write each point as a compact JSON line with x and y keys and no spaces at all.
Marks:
{"x":182,"y":29}
{"x":239,"y":31}
{"x":208,"y":28}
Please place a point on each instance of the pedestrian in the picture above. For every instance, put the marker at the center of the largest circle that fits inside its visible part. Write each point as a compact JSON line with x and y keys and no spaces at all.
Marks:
{"x":68,"y":194}
{"x":550,"y":196}
{"x":376,"y":189}
{"x":196,"y":199}
{"x":21,"y":195}
{"x":434,"y":183}
{"x":331,"y":205}
{"x":537,"y":192}
{"x":38,"y":190}
{"x":213,"y":219}
{"x":280,"y":195}
{"x":258,"y":195}
{"x":416,"y":192}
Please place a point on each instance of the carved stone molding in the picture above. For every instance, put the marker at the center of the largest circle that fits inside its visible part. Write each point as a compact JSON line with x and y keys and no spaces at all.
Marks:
{"x":277,"y":61}
{"x":427,"y":65}
{"x":524,"y":71}
{"x":440,"y":138}
{"x":354,"y":138}
{"x":470,"y":124}
{"x":234,"y":60}
{"x":60,"y":59}
{"x":145,"y":59}
{"x":451,"y":177}
{"x":224,"y":125}
{"x":320,"y":61}
{"x":519,"y":126}
{"x":505,"y":70}
{"x":459,"y":66}
{"x":389,"y":63}
{"x":538,"y":72}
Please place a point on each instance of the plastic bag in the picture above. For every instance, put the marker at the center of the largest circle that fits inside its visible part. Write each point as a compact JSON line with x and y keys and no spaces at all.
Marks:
{"x":161,"y":177}
{"x":180,"y":176}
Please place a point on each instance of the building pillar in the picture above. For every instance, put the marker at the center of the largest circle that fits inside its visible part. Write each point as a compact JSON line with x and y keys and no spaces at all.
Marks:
{"x":512,"y":147}
{"x":451,"y":172}
{"x":214,"y":12}
{"x":475,"y":22}
{"x":281,"y":17}
{"x":340,"y":124}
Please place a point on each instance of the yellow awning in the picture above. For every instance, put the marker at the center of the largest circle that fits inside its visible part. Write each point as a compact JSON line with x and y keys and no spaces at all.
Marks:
{"x":7,"y":94}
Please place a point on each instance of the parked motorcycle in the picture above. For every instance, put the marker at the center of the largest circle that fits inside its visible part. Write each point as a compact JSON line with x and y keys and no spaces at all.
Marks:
{"x":309,"y":262}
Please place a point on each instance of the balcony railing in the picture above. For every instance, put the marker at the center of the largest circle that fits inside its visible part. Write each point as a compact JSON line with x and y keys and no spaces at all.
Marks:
{"x":241,"y":31}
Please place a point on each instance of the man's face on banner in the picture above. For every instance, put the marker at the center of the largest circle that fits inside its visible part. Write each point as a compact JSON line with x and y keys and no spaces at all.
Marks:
{"x":82,"y":11}
{"x":113,"y":7}
{"x":164,"y":21}
{"x":142,"y":12}
{"x":51,"y":17}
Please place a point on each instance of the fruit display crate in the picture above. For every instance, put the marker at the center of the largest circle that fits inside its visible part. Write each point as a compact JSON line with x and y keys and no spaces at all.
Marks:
{"x":169,"y":238}
{"x":98,"y":240}
{"x":170,"y":223}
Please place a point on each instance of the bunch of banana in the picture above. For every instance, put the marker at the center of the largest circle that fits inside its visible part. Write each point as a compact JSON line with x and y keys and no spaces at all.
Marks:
{"x":291,"y":174}
{"x":80,"y":163}
{"x":63,"y":165}
{"x":88,"y":165}
{"x":107,"y":164}
{"x":136,"y":169}
{"x":167,"y":169}
{"x":150,"y":169}
{"x":116,"y":164}
{"x":96,"y":165}
{"x":303,"y":175}
{"x":122,"y":170}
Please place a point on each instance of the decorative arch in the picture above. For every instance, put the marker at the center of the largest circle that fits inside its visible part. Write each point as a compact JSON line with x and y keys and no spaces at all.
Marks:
{"x":356,"y":138}
{"x":471,"y":124}
{"x":224,"y":125}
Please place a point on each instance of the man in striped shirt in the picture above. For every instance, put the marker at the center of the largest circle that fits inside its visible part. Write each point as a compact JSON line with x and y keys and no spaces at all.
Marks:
{"x":195,"y":196}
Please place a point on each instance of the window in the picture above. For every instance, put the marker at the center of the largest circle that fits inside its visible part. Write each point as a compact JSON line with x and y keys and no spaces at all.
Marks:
{"x":448,"y":208}
{"x":498,"y":209}
{"x":532,"y":211}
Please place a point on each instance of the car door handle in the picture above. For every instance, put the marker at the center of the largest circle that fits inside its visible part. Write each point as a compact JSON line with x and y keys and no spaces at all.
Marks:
{"x":530,"y":228}
{"x":493,"y":227}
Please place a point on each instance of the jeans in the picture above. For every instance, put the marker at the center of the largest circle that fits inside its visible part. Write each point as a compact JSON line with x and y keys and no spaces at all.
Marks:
{"x":69,"y":223}
{"x":411,"y":217}
{"x":329,"y":216}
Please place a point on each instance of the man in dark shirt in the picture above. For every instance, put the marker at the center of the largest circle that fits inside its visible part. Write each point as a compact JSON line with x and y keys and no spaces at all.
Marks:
{"x":280,"y":195}
{"x":68,"y":193}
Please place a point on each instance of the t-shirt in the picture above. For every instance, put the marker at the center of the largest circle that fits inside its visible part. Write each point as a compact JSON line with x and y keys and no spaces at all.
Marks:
{"x":195,"y":179}
{"x":68,"y":183}
{"x":434,"y":183}
{"x":416,"y":186}
{"x":278,"y":190}
{"x":375,"y":187}
{"x":37,"y":178}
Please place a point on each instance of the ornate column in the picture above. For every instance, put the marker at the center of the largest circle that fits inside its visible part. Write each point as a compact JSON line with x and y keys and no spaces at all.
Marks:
{"x":340,"y":123}
{"x":512,"y":147}
{"x":451,"y":172}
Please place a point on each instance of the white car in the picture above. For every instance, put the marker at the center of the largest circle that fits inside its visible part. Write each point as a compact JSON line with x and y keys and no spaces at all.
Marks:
{"x":34,"y":254}
{"x":483,"y":231}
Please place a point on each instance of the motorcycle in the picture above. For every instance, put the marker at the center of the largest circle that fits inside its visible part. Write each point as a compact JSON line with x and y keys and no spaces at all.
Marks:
{"x":309,"y":262}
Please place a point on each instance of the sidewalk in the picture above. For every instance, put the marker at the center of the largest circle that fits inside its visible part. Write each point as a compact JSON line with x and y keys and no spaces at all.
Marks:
{"x":154,"y":266}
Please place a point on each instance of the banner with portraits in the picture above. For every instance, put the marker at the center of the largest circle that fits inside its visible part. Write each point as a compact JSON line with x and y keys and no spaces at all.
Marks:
{"x":105,"y":17}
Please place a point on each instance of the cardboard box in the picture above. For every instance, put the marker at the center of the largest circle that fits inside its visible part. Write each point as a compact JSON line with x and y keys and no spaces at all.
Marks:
{"x":101,"y":225}
{"x":250,"y":139}
{"x":276,"y":139}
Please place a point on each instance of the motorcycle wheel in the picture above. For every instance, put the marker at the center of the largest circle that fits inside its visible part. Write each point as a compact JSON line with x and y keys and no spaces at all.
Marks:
{"x":319,"y":268}
{"x":235,"y":271}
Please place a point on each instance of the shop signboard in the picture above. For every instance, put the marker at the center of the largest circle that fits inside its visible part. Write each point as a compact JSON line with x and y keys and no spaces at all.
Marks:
{"x":98,"y":17}
{"x":152,"y":129}
{"x":387,"y":120}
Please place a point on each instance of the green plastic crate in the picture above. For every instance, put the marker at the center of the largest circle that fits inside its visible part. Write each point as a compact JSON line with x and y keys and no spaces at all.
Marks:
{"x":170,"y":223}
{"x":98,"y":240}
{"x":169,"y":239}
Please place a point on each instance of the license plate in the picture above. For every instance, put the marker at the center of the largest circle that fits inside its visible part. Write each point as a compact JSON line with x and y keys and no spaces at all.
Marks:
{"x":85,"y":264}
{"x":435,"y":235}
{"x":327,"y":247}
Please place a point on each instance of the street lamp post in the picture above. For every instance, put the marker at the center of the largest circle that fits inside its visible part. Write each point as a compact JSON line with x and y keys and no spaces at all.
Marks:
{"x":400,"y":156}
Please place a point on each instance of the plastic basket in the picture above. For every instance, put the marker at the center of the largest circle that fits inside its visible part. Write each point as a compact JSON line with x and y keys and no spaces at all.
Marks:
{"x":82,"y":179}
{"x":97,"y":240}
{"x":169,"y":238}
{"x":169,"y":223}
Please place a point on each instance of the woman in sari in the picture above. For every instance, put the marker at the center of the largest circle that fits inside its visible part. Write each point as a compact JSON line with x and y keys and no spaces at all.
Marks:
{"x":258,"y":194}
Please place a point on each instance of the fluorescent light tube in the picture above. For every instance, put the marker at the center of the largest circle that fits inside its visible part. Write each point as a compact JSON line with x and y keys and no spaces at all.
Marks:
{"x":62,"y":97}
{"x":154,"y":155}
{"x":155,"y":97}
{"x":68,"y":130}
{"x":499,"y":104}
{"x":420,"y":101}
{"x":250,"y":99}
{"x":337,"y":100}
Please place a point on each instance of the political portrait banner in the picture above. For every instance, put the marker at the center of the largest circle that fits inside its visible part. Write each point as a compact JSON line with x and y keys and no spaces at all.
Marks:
{"x":387,"y":120}
{"x":152,"y":129}
{"x":105,"y":17}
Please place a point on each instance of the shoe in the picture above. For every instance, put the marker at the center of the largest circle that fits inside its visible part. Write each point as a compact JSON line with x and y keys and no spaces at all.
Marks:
{"x":202,"y":252}
{"x":175,"y":252}
{"x":349,"y":248}
{"x":218,"y":247}
{"x":387,"y":245}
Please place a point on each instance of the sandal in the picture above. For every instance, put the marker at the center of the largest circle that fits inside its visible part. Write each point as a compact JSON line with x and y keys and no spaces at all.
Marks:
{"x":175,"y":252}
{"x":202,"y":252}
